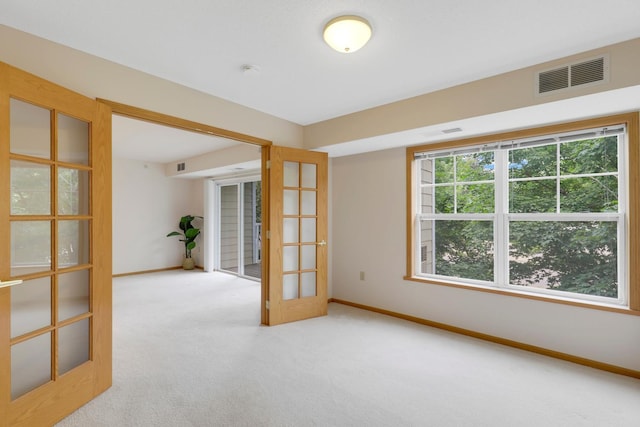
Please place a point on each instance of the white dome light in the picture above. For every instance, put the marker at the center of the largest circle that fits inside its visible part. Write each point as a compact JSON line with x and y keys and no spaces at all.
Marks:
{"x":347,"y":34}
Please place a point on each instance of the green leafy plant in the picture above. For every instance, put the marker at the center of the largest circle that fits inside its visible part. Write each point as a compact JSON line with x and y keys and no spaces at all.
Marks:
{"x":188,"y":232}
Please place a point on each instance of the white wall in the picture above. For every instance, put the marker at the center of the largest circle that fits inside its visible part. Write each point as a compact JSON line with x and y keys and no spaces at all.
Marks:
{"x":146,"y":206}
{"x":369,"y":229}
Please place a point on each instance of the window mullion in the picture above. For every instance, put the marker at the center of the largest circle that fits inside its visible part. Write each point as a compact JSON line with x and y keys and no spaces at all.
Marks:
{"x":557,"y":178}
{"x":501,"y":223}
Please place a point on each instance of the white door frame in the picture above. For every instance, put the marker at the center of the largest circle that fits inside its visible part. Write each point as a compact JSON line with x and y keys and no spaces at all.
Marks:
{"x":211,"y":218}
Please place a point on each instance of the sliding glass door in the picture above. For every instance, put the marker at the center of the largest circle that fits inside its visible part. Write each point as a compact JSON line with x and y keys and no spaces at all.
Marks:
{"x":239,"y":228}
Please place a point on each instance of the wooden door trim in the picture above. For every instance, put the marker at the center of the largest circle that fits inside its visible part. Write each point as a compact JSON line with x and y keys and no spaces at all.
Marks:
{"x":184,"y":124}
{"x":266,"y":191}
{"x":201,"y":128}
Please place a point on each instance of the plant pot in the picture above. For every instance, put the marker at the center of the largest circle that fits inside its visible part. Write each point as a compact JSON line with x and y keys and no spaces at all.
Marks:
{"x":188,"y":264}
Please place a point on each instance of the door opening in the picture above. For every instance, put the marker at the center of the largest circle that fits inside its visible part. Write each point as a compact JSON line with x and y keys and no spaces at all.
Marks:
{"x":238,"y":236}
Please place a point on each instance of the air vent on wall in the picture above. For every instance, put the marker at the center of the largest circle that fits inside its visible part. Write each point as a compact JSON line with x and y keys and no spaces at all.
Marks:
{"x":577,"y":74}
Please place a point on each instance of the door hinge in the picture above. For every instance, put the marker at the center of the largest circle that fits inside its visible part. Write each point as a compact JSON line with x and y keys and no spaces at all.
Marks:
{"x":268,"y":164}
{"x":266,"y":304}
{"x":268,"y":234}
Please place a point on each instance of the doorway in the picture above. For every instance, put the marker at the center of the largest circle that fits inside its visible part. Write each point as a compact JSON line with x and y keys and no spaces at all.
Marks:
{"x":239,"y":223}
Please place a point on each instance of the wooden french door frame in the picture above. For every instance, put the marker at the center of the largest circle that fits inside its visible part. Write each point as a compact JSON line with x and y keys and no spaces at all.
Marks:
{"x":276,"y":307}
{"x":63,"y":392}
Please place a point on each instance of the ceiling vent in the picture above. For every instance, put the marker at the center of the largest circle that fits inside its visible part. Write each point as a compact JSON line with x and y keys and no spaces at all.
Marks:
{"x":589,"y":72}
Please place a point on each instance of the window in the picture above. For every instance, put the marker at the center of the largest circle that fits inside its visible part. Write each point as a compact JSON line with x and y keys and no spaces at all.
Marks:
{"x":539,"y":214}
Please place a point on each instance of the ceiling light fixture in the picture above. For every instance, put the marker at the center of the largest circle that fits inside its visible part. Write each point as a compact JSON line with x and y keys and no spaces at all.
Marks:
{"x":347,"y":33}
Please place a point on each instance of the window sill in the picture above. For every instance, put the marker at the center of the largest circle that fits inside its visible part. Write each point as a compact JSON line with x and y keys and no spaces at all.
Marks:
{"x":549,"y":299}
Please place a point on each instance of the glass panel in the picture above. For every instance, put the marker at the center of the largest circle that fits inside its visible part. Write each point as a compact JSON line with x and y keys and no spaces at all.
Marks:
{"x":475,"y":167}
{"x":290,"y":258}
{"x":289,"y":286}
{"x":445,"y":199}
{"x":308,"y":230}
{"x":308,"y":257}
{"x":73,"y":140}
{"x":73,"y":345}
{"x":426,"y":171}
{"x":30,"y":188}
{"x":73,"y":192}
{"x":461,"y":249}
{"x":290,"y":230}
{"x":589,"y":194}
{"x":30,"y":247}
{"x":229,"y":228}
{"x":309,"y":179}
{"x":251,"y":217}
{"x":290,"y":202}
{"x":73,"y":243}
{"x":427,"y":243}
{"x":533,"y":162}
{"x":73,"y":294}
{"x":30,"y":306}
{"x":308,"y":281}
{"x":579,"y":257}
{"x":475,"y":198}
{"x":598,"y":155}
{"x":30,"y":364}
{"x":291,"y":174}
{"x":426,"y":199}
{"x":444,"y":169}
{"x":532,"y":196}
{"x":30,"y":129}
{"x":309,"y":203}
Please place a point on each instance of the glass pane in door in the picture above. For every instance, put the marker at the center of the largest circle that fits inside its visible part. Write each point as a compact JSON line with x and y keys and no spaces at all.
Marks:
{"x":251,"y":209}
{"x":299,"y":230}
{"x":30,"y":188}
{"x":73,"y":243}
{"x":229,"y":228}
{"x":30,"y":364}
{"x":30,"y":247}
{"x":30,"y":129}
{"x":73,"y":294}
{"x":73,"y":192}
{"x":73,"y":140}
{"x":30,"y":306}
{"x":73,"y":345}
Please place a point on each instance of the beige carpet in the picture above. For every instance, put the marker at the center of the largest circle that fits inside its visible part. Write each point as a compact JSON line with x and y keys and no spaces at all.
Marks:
{"x":188,"y":351}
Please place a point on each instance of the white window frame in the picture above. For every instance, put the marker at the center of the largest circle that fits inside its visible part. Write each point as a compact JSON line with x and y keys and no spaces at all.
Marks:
{"x":501,"y":217}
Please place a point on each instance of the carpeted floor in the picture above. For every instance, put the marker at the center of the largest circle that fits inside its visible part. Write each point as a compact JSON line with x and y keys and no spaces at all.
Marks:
{"x":189,"y":351}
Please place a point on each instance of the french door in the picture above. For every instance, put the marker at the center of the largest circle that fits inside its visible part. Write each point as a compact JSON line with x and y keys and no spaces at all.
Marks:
{"x":296,"y":243}
{"x":55,"y":250}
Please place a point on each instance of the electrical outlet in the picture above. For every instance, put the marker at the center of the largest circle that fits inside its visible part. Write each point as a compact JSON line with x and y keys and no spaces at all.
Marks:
{"x":362,"y":275}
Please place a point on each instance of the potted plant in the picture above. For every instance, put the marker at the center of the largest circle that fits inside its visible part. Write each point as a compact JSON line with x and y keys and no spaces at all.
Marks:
{"x":189,"y":234}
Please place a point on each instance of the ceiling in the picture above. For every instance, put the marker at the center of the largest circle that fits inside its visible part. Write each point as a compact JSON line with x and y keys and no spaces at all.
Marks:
{"x":417,"y":46}
{"x":149,"y":142}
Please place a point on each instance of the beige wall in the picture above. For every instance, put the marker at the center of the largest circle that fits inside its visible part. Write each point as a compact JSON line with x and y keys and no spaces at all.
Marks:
{"x":146,"y":206}
{"x":369,"y":228}
{"x":504,"y":92}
